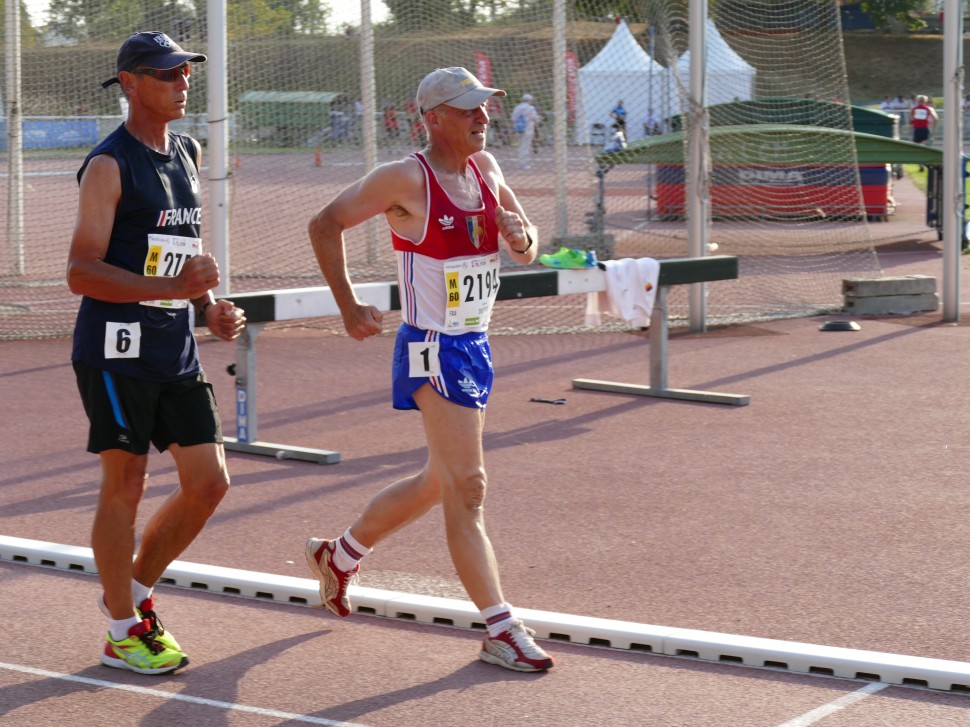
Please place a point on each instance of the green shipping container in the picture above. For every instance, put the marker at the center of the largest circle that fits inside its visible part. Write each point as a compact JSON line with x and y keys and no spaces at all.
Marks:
{"x":288,"y":118}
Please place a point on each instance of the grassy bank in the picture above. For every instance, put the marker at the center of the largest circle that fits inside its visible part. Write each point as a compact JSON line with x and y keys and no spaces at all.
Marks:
{"x":880,"y":65}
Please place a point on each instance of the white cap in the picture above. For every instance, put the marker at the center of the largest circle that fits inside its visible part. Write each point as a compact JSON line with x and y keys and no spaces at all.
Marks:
{"x":454,"y":86}
{"x":526,"y":96}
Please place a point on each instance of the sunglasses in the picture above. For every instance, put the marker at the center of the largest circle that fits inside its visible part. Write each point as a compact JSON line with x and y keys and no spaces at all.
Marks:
{"x":168,"y":75}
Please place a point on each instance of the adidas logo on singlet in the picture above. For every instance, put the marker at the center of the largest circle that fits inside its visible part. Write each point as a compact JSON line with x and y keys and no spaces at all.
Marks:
{"x":447,"y":222}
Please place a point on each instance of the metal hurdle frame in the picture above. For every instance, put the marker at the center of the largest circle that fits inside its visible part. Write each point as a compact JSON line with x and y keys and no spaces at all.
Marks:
{"x":295,"y":303}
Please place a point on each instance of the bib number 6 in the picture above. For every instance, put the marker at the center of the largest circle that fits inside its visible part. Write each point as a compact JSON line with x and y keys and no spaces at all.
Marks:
{"x":122,"y":340}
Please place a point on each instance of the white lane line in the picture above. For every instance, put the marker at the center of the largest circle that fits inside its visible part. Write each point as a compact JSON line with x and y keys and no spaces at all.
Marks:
{"x":834,"y":706}
{"x":230,"y":706}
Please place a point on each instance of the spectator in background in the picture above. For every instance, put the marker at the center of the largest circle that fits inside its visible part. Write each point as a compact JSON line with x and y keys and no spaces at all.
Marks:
{"x":923,"y":119}
{"x":652,"y":126}
{"x":900,"y":106}
{"x":498,"y":127}
{"x":82,"y":108}
{"x":391,"y":127}
{"x":619,"y":114}
{"x":358,"y":129}
{"x":415,"y":125}
{"x":525,"y":119}
{"x":617,"y":140}
{"x":899,"y":103}
{"x":339,"y":123}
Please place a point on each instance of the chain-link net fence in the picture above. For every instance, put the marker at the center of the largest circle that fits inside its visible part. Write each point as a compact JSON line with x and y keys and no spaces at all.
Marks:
{"x":299,"y":114}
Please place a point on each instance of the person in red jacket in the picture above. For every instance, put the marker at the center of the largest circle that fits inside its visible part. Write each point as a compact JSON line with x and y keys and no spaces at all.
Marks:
{"x":923,"y":118}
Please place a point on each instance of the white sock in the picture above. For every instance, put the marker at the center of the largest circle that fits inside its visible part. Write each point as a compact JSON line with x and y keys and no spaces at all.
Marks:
{"x":139,"y":592}
{"x":348,"y":553}
{"x":119,"y":629}
{"x":497,"y":618}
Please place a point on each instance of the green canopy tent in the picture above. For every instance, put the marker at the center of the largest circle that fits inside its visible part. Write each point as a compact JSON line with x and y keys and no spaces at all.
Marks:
{"x":777,"y":144}
{"x":802,"y":111}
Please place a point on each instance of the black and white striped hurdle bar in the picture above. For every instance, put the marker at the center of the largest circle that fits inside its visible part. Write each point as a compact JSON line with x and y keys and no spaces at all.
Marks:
{"x":317,"y":302}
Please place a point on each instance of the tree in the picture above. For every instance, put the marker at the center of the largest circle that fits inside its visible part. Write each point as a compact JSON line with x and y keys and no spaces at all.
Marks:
{"x":257,"y":19}
{"x":309,"y":16}
{"x":29,"y":35}
{"x":184,"y":20}
{"x":634,"y":11}
{"x":83,"y":20}
{"x":883,"y":12}
{"x":420,"y":14}
{"x":428,"y":14}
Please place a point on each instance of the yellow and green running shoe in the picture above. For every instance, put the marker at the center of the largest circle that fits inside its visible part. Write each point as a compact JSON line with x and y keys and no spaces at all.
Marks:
{"x":146,"y":610}
{"x":164,"y":637}
{"x":141,"y":652}
{"x":569,"y":258}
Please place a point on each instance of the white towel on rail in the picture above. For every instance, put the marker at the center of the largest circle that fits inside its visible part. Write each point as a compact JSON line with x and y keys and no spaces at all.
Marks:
{"x":631,"y":288}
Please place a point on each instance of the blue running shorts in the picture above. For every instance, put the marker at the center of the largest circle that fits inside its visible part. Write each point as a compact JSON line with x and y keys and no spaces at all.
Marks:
{"x":458,"y":367}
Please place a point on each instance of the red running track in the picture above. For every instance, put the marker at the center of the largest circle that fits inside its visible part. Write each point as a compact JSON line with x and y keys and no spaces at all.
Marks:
{"x":829,"y":511}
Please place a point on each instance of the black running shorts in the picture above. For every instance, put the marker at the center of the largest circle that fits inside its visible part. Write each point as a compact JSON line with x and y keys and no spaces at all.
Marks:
{"x":128,"y":414}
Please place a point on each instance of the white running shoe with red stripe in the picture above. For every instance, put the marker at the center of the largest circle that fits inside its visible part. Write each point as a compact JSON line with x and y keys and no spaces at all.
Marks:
{"x":515,"y":649}
{"x":333,"y":581}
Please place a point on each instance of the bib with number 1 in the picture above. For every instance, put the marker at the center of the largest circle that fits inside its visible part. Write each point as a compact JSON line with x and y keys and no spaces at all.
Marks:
{"x":471,"y":286}
{"x":166,"y":256}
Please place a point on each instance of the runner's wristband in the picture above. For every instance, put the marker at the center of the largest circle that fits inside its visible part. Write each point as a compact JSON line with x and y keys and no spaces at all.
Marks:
{"x":203,"y":308}
{"x":527,"y":247}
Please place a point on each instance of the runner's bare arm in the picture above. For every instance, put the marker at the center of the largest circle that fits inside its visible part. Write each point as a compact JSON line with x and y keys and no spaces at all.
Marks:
{"x":87,"y":272}
{"x":379,"y":192}
{"x":521,"y":237}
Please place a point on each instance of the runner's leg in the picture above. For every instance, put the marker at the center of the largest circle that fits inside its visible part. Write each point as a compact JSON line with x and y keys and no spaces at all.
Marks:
{"x":113,"y":533}
{"x":396,"y":506}
{"x":203,"y":482}
{"x":455,"y":459}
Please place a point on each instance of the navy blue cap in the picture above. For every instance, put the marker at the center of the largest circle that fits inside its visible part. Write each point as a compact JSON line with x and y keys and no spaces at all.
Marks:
{"x":152,"y":50}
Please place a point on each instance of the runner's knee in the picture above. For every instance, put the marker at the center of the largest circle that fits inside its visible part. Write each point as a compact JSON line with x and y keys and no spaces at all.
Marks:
{"x":207,"y":492}
{"x":125,"y":485}
{"x":469,"y":488}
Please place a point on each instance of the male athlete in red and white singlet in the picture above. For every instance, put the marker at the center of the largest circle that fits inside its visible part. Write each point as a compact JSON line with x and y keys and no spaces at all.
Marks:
{"x":447,"y":207}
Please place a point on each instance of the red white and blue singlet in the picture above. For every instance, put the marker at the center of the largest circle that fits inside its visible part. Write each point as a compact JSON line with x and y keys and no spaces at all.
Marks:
{"x":448,"y":280}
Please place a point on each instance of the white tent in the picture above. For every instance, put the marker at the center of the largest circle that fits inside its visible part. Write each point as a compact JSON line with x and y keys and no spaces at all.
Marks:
{"x":621,"y":71}
{"x":729,"y":76}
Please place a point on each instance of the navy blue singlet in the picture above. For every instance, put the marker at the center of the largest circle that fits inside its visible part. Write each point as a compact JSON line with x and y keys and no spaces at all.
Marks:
{"x":157,"y":227}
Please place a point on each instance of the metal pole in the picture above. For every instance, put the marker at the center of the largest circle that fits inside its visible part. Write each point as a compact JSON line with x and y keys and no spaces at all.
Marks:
{"x":218,"y":140}
{"x":697,"y":154}
{"x":953,"y":183}
{"x":560,"y":104}
{"x":15,"y":161}
{"x":652,"y":168}
{"x":368,"y":92}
